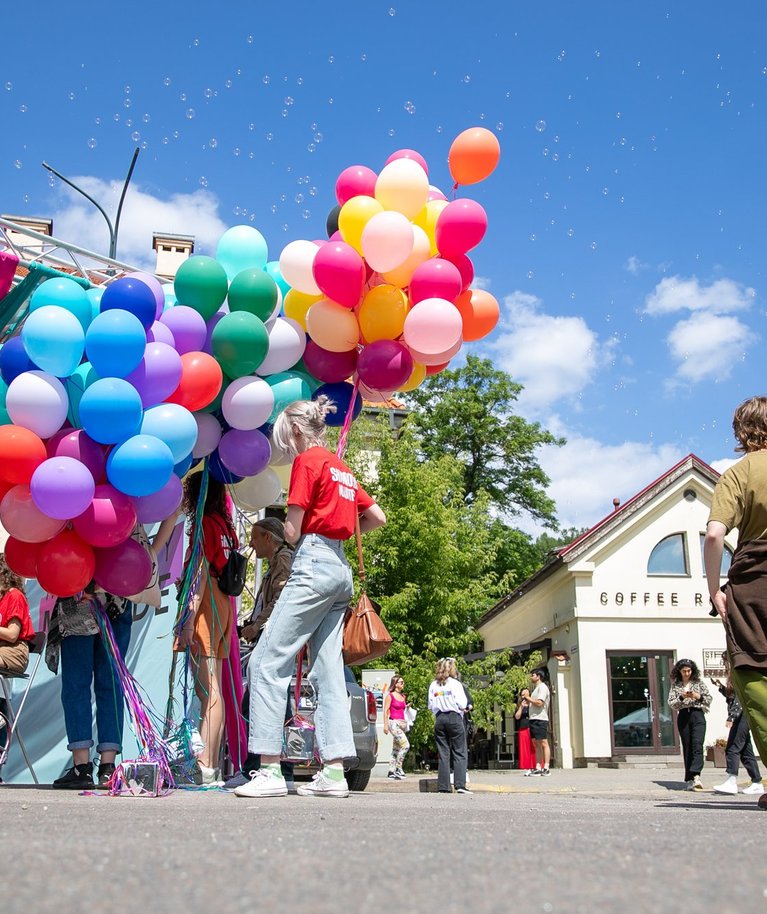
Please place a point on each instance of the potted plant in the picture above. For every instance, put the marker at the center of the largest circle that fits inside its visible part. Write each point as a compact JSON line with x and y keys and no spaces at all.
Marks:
{"x":715,"y":753}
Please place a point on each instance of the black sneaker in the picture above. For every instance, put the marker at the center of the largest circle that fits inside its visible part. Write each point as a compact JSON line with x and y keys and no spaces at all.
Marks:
{"x":78,"y":777}
{"x":545,"y":772}
{"x":106,"y":770}
{"x":463,"y":790}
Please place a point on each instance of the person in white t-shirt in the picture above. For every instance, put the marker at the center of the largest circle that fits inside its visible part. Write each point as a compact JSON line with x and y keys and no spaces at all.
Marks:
{"x":538,"y":712}
{"x":447,"y":702}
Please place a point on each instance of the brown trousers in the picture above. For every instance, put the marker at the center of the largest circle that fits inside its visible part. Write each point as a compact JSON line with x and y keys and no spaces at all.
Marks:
{"x":14,"y":658}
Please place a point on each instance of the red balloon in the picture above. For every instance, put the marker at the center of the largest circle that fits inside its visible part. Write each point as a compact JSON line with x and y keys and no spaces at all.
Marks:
{"x":465,"y":268}
{"x":21,"y":453}
{"x":339,"y":271}
{"x":22,"y":557}
{"x":201,"y":379}
{"x":435,"y":369}
{"x":65,"y":564}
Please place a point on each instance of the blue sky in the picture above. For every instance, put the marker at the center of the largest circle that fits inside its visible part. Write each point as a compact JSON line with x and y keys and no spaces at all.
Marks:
{"x":626,"y":234}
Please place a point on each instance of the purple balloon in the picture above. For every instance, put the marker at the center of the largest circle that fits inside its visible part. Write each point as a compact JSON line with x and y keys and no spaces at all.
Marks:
{"x":73,"y":442}
{"x":62,"y":487}
{"x":329,"y":367}
{"x":157,"y":375}
{"x":245,"y":453}
{"x":187,"y":326}
{"x":156,"y":286}
{"x":212,"y":322}
{"x":208,"y":434}
{"x":159,"y":333}
{"x":161,"y":504}
{"x":123,"y":570}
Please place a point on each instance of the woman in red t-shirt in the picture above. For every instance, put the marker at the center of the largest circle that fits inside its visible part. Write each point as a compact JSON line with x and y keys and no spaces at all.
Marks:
{"x":324,"y":502}
{"x":207,"y":630}
{"x":16,"y":631}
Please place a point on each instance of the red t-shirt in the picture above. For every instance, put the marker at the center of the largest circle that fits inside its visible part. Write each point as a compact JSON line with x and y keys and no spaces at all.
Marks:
{"x":14,"y":606}
{"x":326,"y":489}
{"x":216,"y":538}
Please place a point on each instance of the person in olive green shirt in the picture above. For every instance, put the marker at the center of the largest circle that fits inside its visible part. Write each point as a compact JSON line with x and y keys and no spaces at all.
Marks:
{"x":740,"y":501}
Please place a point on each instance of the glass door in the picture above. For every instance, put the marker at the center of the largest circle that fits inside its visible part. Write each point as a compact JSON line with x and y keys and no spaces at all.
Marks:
{"x":640,"y":718}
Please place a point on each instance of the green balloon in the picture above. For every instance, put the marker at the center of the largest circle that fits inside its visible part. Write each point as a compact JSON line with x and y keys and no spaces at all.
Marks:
{"x":5,"y":419}
{"x":287,"y":387}
{"x":254,"y":291}
{"x":201,"y":284}
{"x":76,"y":385}
{"x":240,"y":342}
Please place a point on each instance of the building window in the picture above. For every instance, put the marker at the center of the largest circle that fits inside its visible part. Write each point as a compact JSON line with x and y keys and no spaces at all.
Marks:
{"x":726,"y":557}
{"x":669,"y":557}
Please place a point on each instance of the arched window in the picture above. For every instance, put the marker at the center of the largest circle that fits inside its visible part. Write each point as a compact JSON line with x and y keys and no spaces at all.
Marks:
{"x":669,"y":557}
{"x":726,"y":557}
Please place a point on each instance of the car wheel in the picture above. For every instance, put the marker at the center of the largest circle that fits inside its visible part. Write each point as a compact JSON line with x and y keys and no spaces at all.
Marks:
{"x":357,"y":780}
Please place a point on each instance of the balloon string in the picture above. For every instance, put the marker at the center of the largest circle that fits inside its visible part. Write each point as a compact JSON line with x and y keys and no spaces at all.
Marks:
{"x":342,"y":441}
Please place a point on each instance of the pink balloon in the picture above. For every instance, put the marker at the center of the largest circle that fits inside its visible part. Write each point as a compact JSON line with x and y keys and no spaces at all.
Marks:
{"x":374,"y":396}
{"x":329,"y":367}
{"x":460,"y":227}
{"x":123,"y":570}
{"x":432,"y":328}
{"x":435,"y":193}
{"x":108,"y":520}
{"x":384,"y":365}
{"x":339,"y":271}
{"x":435,"y":361}
{"x":465,"y":268}
{"x":356,"y":180}
{"x":23,"y":520}
{"x":387,"y":240}
{"x":435,"y":278}
{"x":159,"y":333}
{"x":409,"y":154}
{"x":73,"y":442}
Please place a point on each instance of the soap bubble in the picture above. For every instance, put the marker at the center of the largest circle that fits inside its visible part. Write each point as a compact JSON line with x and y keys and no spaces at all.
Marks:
{"x":540,"y":126}
{"x":190,"y":113}
{"x":92,"y":143}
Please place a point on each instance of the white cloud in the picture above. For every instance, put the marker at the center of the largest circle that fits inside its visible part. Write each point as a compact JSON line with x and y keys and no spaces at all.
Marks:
{"x":707,"y":345}
{"x":634,"y":265}
{"x":80,"y":223}
{"x":554,"y":357}
{"x":724,"y":464}
{"x":677,"y":294}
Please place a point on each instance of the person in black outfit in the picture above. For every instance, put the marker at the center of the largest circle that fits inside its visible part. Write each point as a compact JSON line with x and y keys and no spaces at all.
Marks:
{"x":739,"y":747}
{"x":690,"y":697}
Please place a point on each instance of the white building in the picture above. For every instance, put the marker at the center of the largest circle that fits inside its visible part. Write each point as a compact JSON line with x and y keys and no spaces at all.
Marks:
{"x":613,"y":610}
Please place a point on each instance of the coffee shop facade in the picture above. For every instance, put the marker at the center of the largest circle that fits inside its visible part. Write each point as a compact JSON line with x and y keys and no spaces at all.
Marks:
{"x":612,"y":612}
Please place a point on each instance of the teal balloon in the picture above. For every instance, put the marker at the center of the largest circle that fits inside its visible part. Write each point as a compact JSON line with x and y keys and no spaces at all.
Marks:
{"x":94,"y":297}
{"x":76,"y":385}
{"x":67,"y":294}
{"x":201,"y":283}
{"x":254,"y":291}
{"x":241,"y":248}
{"x":115,"y":343}
{"x":5,"y":419}
{"x":273,"y":270}
{"x":239,"y":343}
{"x":54,"y":339}
{"x":287,"y":387}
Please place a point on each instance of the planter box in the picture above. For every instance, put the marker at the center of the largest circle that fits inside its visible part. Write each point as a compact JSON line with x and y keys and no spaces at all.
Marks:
{"x":716,"y":754}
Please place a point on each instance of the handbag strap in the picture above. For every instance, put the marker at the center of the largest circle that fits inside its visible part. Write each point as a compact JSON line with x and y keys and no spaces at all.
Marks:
{"x":358,"y":537}
{"x":299,"y":677}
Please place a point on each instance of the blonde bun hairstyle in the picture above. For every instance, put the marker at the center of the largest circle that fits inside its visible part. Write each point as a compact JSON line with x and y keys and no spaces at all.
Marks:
{"x":302,"y":425}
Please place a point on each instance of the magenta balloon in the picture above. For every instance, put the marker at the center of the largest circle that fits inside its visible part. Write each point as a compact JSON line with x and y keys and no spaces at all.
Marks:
{"x":465,"y":268}
{"x":161,"y":504}
{"x":245,"y":453}
{"x":384,"y":365}
{"x":62,"y":487}
{"x":460,"y":226}
{"x":187,"y":326}
{"x":354,"y":181}
{"x":434,"y":278}
{"x":123,"y":570}
{"x":23,"y":520}
{"x":73,"y":442}
{"x":409,"y":154}
{"x":339,"y":271}
{"x":159,"y":333}
{"x":329,"y":367}
{"x":108,"y":520}
{"x":158,"y":374}
{"x":156,"y":286}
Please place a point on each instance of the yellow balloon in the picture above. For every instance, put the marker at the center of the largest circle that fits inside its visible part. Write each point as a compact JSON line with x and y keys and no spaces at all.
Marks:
{"x":354,"y":216}
{"x":382,"y":313}
{"x":332,"y":326}
{"x":421,"y":252}
{"x":297,"y":304}
{"x":415,"y":379}
{"x":427,"y":220}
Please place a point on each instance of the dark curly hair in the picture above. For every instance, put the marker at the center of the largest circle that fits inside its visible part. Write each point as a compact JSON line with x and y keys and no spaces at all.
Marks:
{"x":215,"y":498}
{"x":749,"y":423}
{"x":676,"y":675}
{"x":9,"y":579}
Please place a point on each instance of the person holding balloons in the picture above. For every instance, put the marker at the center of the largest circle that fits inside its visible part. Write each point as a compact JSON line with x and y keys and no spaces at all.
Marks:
{"x":325,"y":502}
{"x":207,"y":628}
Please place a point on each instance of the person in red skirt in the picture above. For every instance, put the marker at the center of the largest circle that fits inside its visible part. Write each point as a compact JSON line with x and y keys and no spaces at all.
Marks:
{"x":525,"y":751}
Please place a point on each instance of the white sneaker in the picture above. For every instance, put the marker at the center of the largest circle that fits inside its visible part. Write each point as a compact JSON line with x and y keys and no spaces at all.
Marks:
{"x":696,"y":783}
{"x":755,"y":787}
{"x":728,"y":786}
{"x":263,"y":784}
{"x":323,"y":786}
{"x":211,"y":777}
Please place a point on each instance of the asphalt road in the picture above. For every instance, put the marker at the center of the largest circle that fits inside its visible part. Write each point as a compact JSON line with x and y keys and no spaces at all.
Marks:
{"x":388,"y":852}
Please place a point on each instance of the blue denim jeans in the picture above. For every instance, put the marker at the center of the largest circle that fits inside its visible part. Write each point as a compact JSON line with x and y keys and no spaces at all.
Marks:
{"x":84,"y":660}
{"x":311,"y":608}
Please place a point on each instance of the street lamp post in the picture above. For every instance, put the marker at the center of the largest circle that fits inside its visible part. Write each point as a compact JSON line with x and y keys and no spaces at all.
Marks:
{"x":113,"y":229}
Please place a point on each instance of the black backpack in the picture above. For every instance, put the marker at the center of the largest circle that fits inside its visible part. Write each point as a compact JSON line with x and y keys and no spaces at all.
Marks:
{"x":231,"y":581}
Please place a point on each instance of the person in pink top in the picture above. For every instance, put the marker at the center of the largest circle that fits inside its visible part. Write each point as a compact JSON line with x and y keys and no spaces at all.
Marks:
{"x":394,"y":723}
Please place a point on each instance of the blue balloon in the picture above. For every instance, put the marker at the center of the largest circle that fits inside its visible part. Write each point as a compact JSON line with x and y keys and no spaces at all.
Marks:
{"x":115,"y":343}
{"x":183,"y":467}
{"x":241,"y":247}
{"x":14,"y":359}
{"x":67,"y":294}
{"x":341,"y":395}
{"x":133,"y":295}
{"x":141,"y":465}
{"x":76,"y":385}
{"x":111,"y":411}
{"x":174,"y":425}
{"x":273,"y":269}
{"x":220,"y":472}
{"x":54,"y":339}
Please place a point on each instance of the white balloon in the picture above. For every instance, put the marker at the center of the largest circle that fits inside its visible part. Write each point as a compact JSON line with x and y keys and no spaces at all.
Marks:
{"x":38,"y":401}
{"x":257,"y":492}
{"x":247,"y":403}
{"x":287,"y":341}
{"x":296,"y":263}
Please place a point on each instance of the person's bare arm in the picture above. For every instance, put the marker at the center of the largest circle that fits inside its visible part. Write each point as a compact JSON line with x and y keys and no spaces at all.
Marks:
{"x":293,"y":523}
{"x":372,"y":518}
{"x":713,"y":547}
{"x":10,"y":633}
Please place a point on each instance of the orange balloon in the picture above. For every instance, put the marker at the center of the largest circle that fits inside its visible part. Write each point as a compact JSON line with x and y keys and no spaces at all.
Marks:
{"x":480,"y":313}
{"x":21,"y":453}
{"x":382,"y":313}
{"x":473,"y":155}
{"x":332,"y":326}
{"x":416,"y":378}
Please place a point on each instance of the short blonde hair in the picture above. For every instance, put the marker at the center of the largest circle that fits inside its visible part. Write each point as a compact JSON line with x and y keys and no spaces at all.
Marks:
{"x":750,"y":425}
{"x":446,"y":668}
{"x":302,"y":425}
